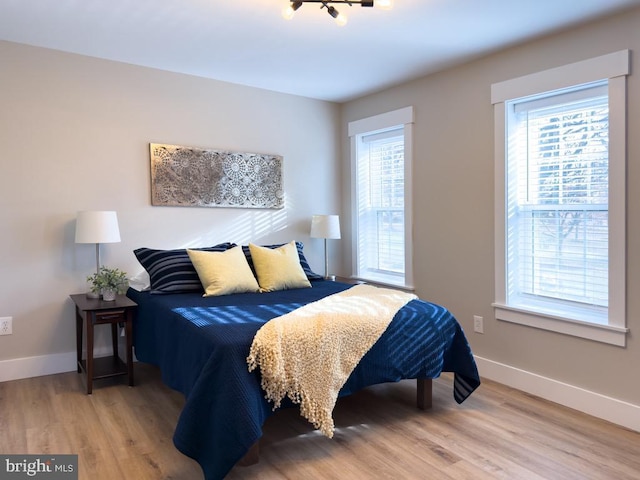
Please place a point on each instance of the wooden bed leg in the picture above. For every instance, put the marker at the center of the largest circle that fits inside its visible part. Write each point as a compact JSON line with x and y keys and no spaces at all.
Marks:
{"x":252,"y":456}
{"x":424,"y":390}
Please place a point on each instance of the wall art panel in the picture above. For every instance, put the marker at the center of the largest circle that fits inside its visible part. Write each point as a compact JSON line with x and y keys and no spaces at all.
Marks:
{"x":194,"y":177}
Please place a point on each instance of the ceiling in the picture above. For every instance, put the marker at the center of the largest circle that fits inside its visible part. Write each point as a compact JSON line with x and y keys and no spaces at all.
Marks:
{"x":250,"y":43}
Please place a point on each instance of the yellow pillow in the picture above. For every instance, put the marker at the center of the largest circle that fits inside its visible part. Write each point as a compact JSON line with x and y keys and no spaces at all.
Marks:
{"x":222,"y":273}
{"x":278,"y":268}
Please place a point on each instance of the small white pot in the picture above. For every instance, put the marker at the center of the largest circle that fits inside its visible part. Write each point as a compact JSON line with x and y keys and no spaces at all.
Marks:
{"x":108,"y":295}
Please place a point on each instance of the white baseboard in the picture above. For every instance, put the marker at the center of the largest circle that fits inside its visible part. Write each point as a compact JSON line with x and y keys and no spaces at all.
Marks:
{"x":18,"y":368}
{"x":613,"y":410}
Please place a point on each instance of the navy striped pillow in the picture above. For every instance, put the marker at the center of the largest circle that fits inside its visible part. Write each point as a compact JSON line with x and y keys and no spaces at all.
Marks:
{"x":303,"y":261}
{"x":171,"y":271}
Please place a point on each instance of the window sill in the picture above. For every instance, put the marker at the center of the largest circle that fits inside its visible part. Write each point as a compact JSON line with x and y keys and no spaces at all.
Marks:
{"x":599,"y":333}
{"x":383,"y":283}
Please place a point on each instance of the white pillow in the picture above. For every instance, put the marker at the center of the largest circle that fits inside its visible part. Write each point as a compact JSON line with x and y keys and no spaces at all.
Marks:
{"x":140,"y":282}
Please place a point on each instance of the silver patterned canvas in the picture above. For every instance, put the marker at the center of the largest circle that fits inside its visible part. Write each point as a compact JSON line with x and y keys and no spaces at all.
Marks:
{"x":193,"y":177}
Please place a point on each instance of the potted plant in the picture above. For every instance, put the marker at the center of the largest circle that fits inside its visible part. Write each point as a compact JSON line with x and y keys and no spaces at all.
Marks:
{"x":108,"y":282}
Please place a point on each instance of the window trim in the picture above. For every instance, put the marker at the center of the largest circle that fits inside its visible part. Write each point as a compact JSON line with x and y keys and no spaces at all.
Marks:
{"x":614,"y":67}
{"x":402,"y":116}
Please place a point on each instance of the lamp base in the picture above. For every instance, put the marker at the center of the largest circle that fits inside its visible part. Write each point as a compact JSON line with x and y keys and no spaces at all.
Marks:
{"x":330,"y":277}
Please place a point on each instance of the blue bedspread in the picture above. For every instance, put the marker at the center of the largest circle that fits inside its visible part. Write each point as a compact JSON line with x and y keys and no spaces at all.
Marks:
{"x":201,"y":346}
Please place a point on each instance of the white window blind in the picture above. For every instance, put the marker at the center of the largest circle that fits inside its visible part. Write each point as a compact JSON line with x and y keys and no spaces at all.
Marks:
{"x":557,"y":195}
{"x":380,"y":201}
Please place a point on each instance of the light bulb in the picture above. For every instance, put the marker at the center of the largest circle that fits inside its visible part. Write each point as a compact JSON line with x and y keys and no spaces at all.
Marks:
{"x":288,"y":12}
{"x":386,"y":4}
{"x":341,"y":20}
{"x":291,"y":9}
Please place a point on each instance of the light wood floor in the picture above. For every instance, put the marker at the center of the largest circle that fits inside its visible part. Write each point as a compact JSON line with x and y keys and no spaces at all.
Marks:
{"x":122,"y":432}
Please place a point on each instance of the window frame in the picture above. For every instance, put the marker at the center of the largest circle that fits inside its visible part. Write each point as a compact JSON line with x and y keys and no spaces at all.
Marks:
{"x":612,"y":67}
{"x":403,"y":117}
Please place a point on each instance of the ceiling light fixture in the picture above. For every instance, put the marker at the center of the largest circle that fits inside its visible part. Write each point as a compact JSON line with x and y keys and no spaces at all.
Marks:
{"x":331,"y":10}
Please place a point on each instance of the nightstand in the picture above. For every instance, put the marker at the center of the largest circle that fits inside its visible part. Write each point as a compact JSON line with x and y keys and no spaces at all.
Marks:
{"x":350,"y":281}
{"x":91,"y":312}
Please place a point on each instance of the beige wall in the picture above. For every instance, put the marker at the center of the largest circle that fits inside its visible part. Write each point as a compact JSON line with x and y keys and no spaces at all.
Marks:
{"x":74,"y":135}
{"x":453,"y":184}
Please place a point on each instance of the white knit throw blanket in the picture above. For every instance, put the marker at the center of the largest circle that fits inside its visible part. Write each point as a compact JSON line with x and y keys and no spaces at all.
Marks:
{"x":309,"y":353}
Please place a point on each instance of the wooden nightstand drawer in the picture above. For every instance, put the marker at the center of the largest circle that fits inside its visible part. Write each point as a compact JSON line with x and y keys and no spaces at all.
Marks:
{"x":109,"y":316}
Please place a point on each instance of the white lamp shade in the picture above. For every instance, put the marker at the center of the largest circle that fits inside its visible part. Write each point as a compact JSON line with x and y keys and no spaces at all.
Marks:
{"x":325,"y":226}
{"x":97,"y":227}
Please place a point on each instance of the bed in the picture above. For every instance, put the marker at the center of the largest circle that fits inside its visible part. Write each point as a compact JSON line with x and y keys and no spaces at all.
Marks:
{"x":201,"y":345}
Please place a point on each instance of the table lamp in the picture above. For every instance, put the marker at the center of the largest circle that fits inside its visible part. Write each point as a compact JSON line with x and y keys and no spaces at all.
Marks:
{"x":326,"y":227}
{"x":97,"y":227}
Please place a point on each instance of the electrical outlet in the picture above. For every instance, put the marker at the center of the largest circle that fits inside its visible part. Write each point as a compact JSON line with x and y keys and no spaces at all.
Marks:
{"x":6,"y":325}
{"x":478,"y":324}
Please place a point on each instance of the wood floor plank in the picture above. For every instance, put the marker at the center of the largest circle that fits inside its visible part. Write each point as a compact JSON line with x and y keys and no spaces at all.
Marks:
{"x":498,"y":433}
{"x":13,"y":431}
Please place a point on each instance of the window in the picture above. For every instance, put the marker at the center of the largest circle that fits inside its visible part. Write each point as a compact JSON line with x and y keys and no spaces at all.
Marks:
{"x":557,"y":196}
{"x":381,"y":161}
{"x":560,"y":209}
